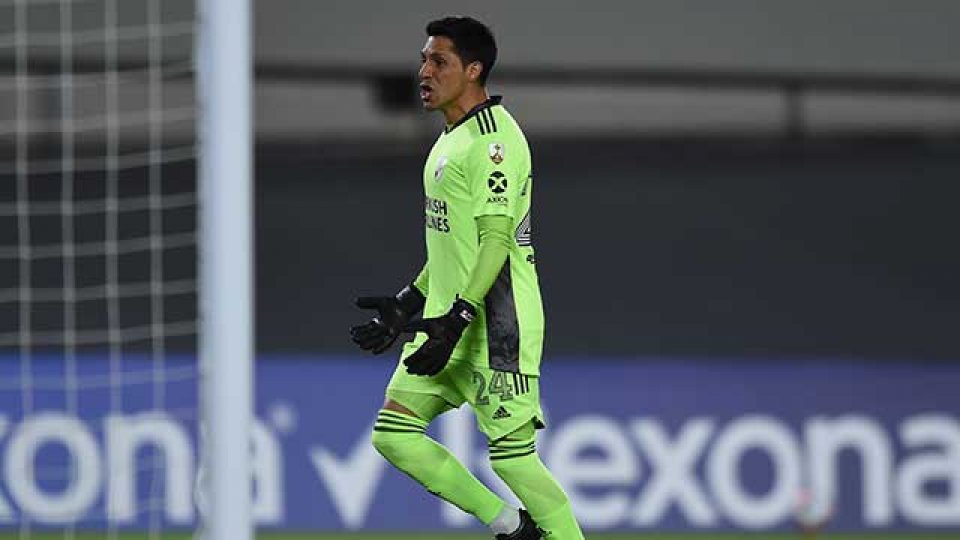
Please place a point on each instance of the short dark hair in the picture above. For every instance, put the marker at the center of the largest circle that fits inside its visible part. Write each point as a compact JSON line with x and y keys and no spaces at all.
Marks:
{"x":472,"y":39}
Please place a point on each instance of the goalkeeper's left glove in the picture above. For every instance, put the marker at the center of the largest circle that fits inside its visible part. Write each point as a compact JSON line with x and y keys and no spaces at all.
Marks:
{"x":443,"y":334}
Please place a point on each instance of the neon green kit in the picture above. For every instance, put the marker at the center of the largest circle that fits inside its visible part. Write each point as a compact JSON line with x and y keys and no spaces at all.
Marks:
{"x":481,"y":167}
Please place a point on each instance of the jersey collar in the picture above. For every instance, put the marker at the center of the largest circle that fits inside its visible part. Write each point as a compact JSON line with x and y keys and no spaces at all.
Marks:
{"x":490,"y":102}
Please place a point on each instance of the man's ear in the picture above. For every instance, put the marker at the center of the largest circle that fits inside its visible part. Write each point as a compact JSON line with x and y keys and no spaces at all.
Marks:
{"x":474,"y":70}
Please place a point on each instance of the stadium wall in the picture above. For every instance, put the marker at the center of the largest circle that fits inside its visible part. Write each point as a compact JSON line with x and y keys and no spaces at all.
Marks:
{"x":855,"y":36}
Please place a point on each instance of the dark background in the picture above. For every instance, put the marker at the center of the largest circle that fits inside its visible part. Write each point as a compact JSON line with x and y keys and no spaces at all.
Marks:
{"x":766,"y":249}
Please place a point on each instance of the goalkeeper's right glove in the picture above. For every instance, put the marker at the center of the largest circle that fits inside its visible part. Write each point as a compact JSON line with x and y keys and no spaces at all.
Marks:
{"x":380,"y":332}
{"x":443,"y":334}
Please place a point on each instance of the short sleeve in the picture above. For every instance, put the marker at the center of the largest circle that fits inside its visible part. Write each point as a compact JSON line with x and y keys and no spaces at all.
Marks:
{"x":495,"y":173}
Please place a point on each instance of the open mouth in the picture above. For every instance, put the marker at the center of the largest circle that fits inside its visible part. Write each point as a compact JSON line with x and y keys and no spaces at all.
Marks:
{"x":425,"y":92}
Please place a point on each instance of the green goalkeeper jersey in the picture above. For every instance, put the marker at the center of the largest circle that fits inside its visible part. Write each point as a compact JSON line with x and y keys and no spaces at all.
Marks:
{"x":481,"y":167}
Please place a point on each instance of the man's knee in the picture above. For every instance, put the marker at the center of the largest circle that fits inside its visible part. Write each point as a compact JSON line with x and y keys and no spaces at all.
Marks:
{"x":528,"y":478}
{"x":506,"y":452}
{"x":502,"y":469}
{"x":394,"y":432}
{"x":389,"y":445}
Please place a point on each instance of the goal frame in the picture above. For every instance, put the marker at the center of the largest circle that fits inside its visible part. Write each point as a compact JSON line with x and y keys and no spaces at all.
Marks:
{"x":224,"y":88}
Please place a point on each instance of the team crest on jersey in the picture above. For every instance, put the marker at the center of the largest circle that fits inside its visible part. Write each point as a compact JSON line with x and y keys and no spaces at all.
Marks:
{"x":438,"y":172}
{"x":496,"y":152}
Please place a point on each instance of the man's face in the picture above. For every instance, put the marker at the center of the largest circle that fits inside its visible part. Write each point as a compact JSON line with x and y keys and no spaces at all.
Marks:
{"x":442,"y":75}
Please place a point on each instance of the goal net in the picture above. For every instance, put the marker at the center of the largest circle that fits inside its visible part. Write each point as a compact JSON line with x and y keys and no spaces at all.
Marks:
{"x":99,"y":378}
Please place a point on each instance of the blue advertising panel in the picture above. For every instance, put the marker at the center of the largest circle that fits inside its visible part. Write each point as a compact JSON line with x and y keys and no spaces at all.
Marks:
{"x":676,"y":444}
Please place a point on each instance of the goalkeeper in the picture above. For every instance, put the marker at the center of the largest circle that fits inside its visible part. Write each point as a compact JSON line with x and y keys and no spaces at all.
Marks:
{"x":480,"y":337}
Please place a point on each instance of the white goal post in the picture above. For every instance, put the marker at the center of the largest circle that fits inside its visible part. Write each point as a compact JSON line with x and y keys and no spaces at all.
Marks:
{"x":224,"y":73}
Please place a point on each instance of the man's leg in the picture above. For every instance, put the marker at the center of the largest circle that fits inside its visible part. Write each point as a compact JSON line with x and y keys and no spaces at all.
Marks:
{"x":507,"y":407}
{"x":399,"y":435}
{"x":514,"y":459}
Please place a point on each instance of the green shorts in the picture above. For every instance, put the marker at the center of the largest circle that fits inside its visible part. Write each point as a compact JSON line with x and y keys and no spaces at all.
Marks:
{"x":502,"y":402}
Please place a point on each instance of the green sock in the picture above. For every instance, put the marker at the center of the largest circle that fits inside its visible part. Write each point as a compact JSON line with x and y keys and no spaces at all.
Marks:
{"x":514,"y":459}
{"x":402,"y":440}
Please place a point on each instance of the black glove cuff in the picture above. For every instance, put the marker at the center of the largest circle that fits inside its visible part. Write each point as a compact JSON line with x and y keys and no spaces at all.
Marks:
{"x":463,"y":312}
{"x":411,"y":300}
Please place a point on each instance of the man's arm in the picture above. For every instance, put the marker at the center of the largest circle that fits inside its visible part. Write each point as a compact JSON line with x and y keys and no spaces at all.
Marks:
{"x":444,"y":332}
{"x":496,"y":237}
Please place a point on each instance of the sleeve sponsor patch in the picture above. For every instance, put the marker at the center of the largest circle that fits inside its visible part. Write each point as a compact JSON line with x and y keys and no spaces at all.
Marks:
{"x":497,"y":182}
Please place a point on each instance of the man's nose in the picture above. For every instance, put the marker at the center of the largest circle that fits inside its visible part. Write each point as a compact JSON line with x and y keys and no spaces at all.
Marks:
{"x":425,"y":70}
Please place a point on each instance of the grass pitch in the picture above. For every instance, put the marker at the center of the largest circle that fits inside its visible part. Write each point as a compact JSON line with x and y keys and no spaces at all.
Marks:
{"x":14,"y":535}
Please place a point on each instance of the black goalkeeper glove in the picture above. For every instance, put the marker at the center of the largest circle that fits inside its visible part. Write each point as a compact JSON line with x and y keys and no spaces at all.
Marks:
{"x":380,"y":332}
{"x":443,"y":334}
